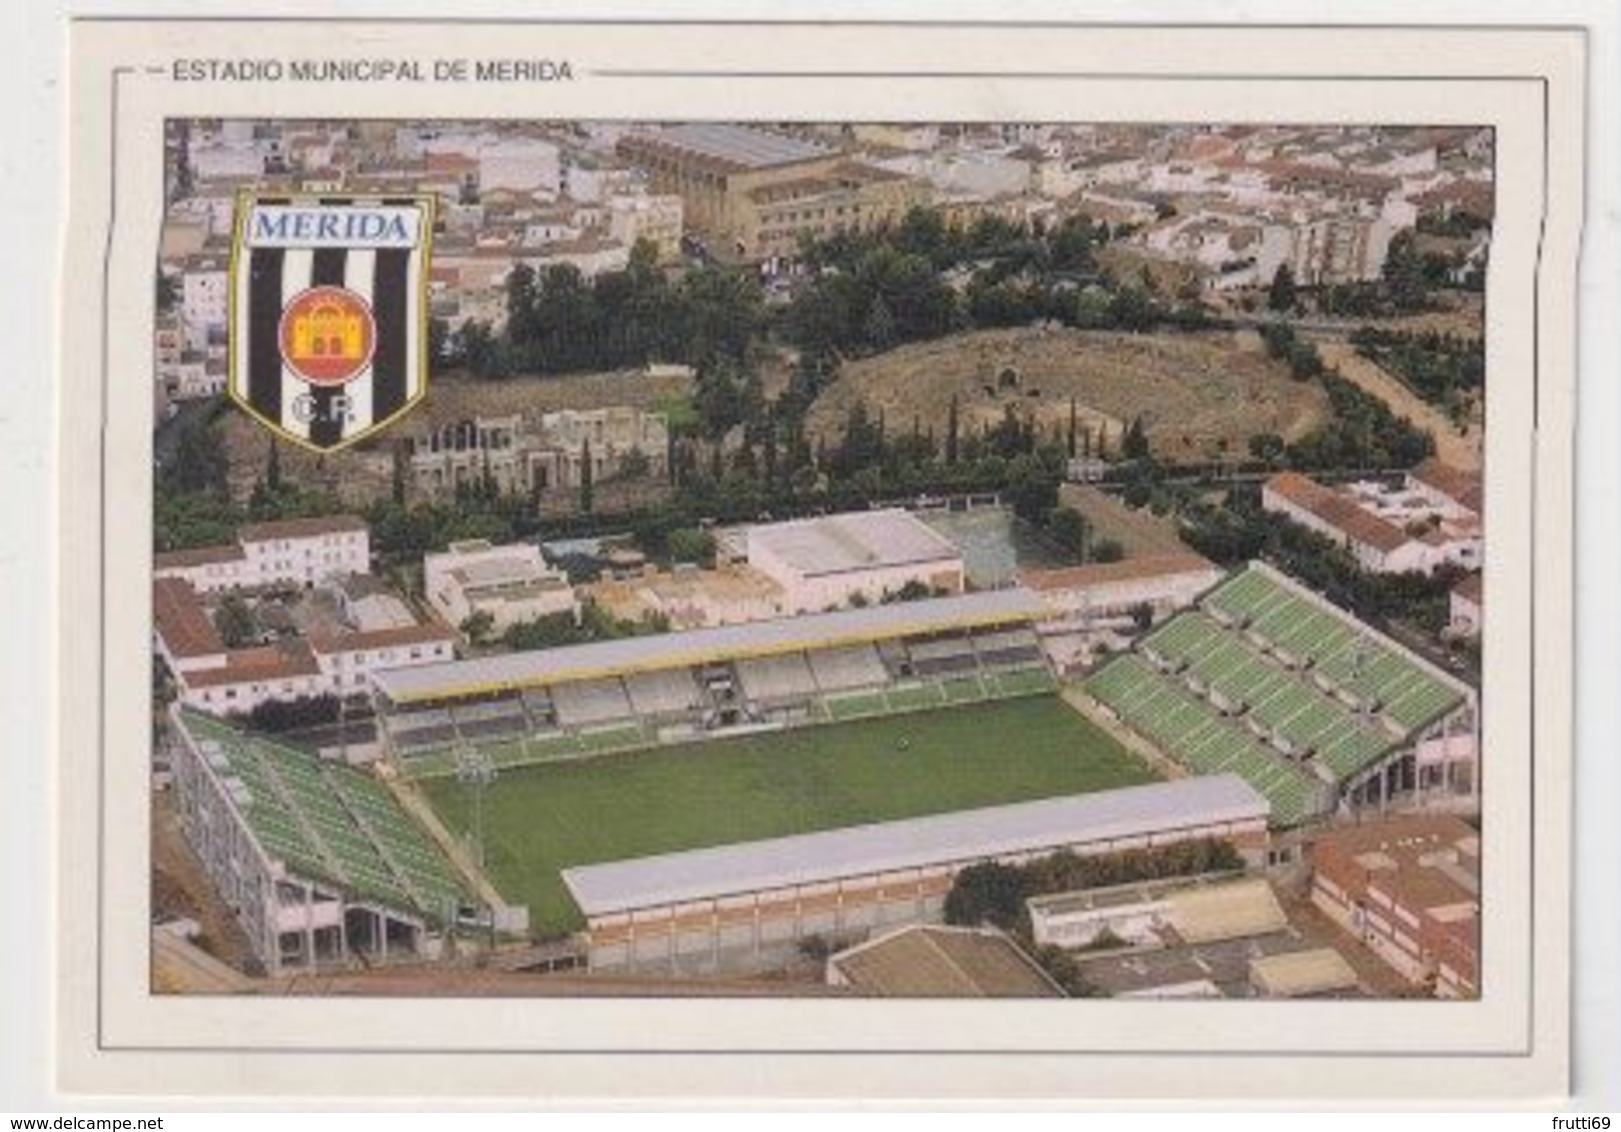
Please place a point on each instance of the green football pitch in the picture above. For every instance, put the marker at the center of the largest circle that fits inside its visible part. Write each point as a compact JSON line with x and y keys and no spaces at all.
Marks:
{"x":541,"y":819}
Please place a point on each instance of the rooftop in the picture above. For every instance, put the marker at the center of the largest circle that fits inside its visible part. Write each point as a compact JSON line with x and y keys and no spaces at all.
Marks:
{"x":182,"y":622}
{"x":299,"y":528}
{"x":1338,"y":511}
{"x":196,"y":556}
{"x":739,"y":147}
{"x":1463,"y":487}
{"x":1425,"y":861}
{"x":854,"y":540}
{"x":1301,"y":974}
{"x":704,"y":646}
{"x":964,"y":836}
{"x":942,"y":962}
{"x":1472,"y":588}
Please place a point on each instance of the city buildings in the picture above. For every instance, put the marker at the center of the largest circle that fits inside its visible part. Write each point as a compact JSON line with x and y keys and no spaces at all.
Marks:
{"x":1409,"y":888}
{"x":282,"y":552}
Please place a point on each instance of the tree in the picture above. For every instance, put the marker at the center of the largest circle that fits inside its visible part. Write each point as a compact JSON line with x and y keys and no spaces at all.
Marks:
{"x":1267,"y":447}
{"x":1404,"y":274}
{"x":199,"y":462}
{"x":1135,"y":444}
{"x":588,"y":477}
{"x":477,"y":626}
{"x":167,"y":293}
{"x":273,"y":468}
{"x":235,"y":622}
{"x":1070,"y":528}
{"x":1142,"y":615}
{"x":952,"y":426}
{"x":1281,"y":295}
{"x":1106,"y":550}
{"x":986,"y":893}
{"x":691,"y":544}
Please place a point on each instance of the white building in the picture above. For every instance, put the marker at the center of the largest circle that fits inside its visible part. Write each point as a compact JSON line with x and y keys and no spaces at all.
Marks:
{"x":203,"y":290}
{"x":1162,"y":582}
{"x":510,"y":583}
{"x":855,"y":557}
{"x":298,"y":552}
{"x":1378,"y":546}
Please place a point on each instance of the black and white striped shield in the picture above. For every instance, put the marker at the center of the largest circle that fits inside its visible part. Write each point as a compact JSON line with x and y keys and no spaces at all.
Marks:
{"x":329,"y":313}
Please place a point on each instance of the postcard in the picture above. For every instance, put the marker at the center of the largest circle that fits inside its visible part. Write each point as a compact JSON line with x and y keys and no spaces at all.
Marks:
{"x":835,"y":558}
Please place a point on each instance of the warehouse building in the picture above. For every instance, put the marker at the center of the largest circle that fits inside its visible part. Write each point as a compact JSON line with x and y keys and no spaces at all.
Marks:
{"x":856,"y":557}
{"x":748,"y":907}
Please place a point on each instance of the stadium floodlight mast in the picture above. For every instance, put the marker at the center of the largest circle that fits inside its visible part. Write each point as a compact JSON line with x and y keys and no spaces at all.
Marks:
{"x":475,"y":772}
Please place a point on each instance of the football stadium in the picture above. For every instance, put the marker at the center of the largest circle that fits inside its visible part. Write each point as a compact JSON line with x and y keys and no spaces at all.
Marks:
{"x":630,"y":748}
{"x":1265,"y":679}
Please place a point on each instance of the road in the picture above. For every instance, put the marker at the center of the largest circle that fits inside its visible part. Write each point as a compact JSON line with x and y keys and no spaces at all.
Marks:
{"x":1451,"y":445}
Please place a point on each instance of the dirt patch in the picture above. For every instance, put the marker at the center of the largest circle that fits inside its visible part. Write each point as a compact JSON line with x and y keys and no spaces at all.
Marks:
{"x":1140,"y":533}
{"x":1195,"y":393}
{"x":1452,"y":445}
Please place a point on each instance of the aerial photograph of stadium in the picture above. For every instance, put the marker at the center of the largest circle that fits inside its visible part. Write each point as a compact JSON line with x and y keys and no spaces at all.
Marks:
{"x":853,"y":560}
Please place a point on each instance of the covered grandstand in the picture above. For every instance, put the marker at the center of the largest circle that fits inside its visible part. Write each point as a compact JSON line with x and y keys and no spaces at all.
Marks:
{"x":623,"y":694}
{"x":319,"y":862}
{"x":747,"y":906}
{"x":1315,"y":709}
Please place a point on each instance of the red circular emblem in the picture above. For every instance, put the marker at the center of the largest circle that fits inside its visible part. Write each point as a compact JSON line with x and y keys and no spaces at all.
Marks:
{"x":327,"y":335}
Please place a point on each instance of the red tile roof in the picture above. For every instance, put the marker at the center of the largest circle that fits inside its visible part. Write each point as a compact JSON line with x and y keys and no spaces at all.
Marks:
{"x":300,"y":528}
{"x":1472,"y":588}
{"x":196,"y":556}
{"x":329,"y":643}
{"x":181,"y":620}
{"x":1464,"y":488}
{"x":257,"y":665}
{"x":1359,"y":525}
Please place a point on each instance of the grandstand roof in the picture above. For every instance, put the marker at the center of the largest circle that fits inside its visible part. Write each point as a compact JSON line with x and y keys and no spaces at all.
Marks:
{"x":854,"y":540}
{"x":704,"y":646}
{"x":967,"y":835}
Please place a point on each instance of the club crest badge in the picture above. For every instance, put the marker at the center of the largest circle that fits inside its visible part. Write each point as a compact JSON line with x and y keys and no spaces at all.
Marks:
{"x":329,"y":313}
